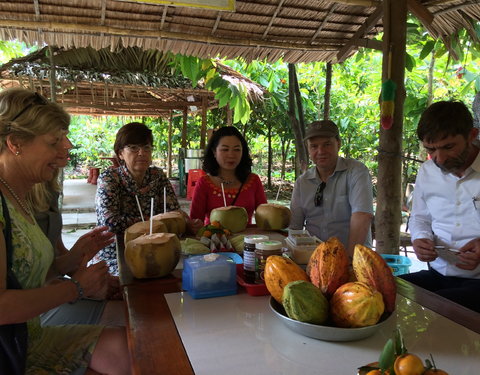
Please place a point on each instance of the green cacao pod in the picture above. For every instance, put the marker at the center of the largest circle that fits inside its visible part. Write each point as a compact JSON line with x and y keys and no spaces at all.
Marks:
{"x":304,"y":302}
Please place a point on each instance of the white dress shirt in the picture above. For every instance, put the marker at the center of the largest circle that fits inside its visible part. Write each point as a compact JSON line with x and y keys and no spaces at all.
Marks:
{"x":446,"y":209}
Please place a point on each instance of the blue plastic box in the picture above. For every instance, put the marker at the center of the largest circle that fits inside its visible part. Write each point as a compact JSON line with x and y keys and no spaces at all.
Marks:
{"x":398,"y":263}
{"x":204,"y":278}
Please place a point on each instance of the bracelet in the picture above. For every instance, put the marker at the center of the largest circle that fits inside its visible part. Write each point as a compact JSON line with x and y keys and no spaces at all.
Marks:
{"x":77,"y":285}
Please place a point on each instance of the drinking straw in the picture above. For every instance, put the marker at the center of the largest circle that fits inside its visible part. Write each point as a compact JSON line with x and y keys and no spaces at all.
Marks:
{"x":151,"y":216}
{"x":164,"y":200}
{"x":278,"y":192}
{"x":139,"y":207}
{"x":223,"y":193}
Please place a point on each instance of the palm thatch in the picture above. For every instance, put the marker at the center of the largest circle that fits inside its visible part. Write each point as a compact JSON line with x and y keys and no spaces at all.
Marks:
{"x":129,"y":81}
{"x":295,"y":30}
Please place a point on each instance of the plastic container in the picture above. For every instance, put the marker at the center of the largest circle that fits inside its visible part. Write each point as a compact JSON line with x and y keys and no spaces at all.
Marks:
{"x":398,"y":263}
{"x":210,"y":275}
{"x":300,"y":237}
{"x":262,"y":251}
{"x":252,"y":289}
{"x":300,"y":254}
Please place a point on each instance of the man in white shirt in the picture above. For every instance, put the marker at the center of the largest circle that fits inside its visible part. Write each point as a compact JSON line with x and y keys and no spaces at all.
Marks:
{"x":445,"y":220}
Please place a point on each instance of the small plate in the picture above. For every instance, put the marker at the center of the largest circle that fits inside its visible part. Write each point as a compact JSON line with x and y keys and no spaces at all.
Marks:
{"x":326,"y":333}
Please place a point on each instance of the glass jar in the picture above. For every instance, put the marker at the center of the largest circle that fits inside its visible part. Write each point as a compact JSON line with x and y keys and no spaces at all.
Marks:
{"x":262,"y":251}
{"x":249,"y":264}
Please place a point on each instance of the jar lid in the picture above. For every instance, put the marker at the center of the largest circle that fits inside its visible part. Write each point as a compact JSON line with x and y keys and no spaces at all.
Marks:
{"x":269,"y":245}
{"x":255,"y":238}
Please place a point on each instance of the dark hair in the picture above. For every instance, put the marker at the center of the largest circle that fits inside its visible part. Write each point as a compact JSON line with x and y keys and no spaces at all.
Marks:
{"x":443,"y":119}
{"x":210,"y":164}
{"x":133,"y":133}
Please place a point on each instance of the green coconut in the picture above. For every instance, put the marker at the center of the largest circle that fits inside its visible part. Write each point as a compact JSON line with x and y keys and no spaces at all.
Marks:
{"x":233,"y":218}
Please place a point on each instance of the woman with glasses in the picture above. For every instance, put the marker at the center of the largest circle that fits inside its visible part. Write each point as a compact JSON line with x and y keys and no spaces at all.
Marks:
{"x":119,"y":188}
{"x":33,"y":138}
{"x":228,"y":165}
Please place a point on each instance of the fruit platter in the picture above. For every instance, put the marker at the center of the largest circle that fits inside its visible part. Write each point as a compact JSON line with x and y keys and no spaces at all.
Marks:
{"x":325,"y":332}
{"x":332,"y":300}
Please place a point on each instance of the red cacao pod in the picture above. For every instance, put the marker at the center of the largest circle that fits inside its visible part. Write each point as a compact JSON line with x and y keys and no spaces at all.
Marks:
{"x":355,"y":304}
{"x":328,"y":266}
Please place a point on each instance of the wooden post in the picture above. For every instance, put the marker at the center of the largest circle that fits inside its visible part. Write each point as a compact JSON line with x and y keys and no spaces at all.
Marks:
{"x":203,"y":132}
{"x":389,"y":195}
{"x":184,"y":128}
{"x":169,"y":146}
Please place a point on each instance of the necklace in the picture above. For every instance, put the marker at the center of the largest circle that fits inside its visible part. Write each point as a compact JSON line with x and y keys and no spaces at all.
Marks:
{"x":17,"y":198}
{"x":225,"y":182}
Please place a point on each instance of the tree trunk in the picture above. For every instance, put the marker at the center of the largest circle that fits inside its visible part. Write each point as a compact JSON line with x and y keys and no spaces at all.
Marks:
{"x":295,"y":112}
{"x":389,"y":195}
{"x":328,"y":89}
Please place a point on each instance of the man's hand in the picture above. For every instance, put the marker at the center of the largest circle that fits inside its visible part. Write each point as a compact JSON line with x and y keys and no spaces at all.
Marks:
{"x":469,"y":255}
{"x":424,"y":249}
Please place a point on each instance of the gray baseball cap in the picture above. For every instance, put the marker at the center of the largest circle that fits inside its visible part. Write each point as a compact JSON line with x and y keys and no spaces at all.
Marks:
{"x":324,"y":128}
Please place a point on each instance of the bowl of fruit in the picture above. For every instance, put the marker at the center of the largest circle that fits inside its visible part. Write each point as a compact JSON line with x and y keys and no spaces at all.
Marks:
{"x":331,"y":300}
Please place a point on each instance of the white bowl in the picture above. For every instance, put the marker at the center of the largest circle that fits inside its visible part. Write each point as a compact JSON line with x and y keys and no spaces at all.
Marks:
{"x":326,"y":333}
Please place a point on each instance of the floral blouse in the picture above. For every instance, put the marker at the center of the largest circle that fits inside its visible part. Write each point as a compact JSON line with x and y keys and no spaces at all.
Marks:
{"x":117,"y":207}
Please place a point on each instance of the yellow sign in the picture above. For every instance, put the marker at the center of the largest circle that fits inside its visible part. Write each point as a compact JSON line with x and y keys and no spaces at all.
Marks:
{"x":208,"y":4}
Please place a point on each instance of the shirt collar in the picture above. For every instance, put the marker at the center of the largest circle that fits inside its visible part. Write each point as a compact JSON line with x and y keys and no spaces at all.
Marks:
{"x":476,"y":163}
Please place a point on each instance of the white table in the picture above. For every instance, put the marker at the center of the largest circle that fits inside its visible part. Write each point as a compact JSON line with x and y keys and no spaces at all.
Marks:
{"x":240,"y":335}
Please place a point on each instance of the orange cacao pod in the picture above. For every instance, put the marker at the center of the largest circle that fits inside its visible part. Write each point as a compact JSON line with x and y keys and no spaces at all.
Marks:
{"x":279,"y":271}
{"x":371,"y":268}
{"x":328,"y":266}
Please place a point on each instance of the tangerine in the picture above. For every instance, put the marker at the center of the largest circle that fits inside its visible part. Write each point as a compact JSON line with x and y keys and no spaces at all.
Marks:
{"x":408,"y":364}
{"x":374,"y":372}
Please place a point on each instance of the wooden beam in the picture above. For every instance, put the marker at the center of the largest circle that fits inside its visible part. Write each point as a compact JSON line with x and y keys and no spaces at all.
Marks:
{"x":420,"y":11}
{"x":365,"y":28}
{"x":320,"y":28}
{"x":60,"y":27}
{"x":370,"y":43}
{"x":279,"y":6}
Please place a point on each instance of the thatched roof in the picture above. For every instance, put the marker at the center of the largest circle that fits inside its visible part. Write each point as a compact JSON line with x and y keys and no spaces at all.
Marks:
{"x":295,"y":30}
{"x":129,"y":81}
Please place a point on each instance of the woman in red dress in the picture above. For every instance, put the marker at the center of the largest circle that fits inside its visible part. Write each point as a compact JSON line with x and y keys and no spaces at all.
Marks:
{"x":228,"y":163}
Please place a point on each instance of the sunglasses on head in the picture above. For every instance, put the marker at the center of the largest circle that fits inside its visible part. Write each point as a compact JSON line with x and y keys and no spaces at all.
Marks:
{"x":37,"y":100}
{"x":318,"y":199}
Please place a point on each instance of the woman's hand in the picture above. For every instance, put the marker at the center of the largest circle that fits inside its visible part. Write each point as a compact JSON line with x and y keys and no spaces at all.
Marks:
{"x":90,"y":243}
{"x":93,"y":279}
{"x":194,"y":225}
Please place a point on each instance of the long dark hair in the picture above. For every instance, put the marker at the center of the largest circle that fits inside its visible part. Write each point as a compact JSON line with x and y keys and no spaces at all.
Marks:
{"x":210,"y":165}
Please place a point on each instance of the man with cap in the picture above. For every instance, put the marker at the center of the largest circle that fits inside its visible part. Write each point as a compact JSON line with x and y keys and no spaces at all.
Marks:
{"x":334,"y":197}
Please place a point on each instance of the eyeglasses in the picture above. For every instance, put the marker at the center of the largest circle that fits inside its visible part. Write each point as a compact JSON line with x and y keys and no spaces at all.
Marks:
{"x":37,"y":100}
{"x":136,"y":148}
{"x":318,"y":199}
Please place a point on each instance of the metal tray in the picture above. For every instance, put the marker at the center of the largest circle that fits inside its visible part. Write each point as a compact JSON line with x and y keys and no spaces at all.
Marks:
{"x":326,"y":333}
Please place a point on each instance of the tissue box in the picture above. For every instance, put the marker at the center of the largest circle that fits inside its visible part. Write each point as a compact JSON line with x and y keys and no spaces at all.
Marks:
{"x":210,"y":275}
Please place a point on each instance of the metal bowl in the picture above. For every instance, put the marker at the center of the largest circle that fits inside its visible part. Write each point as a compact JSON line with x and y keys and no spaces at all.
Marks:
{"x":326,"y":333}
